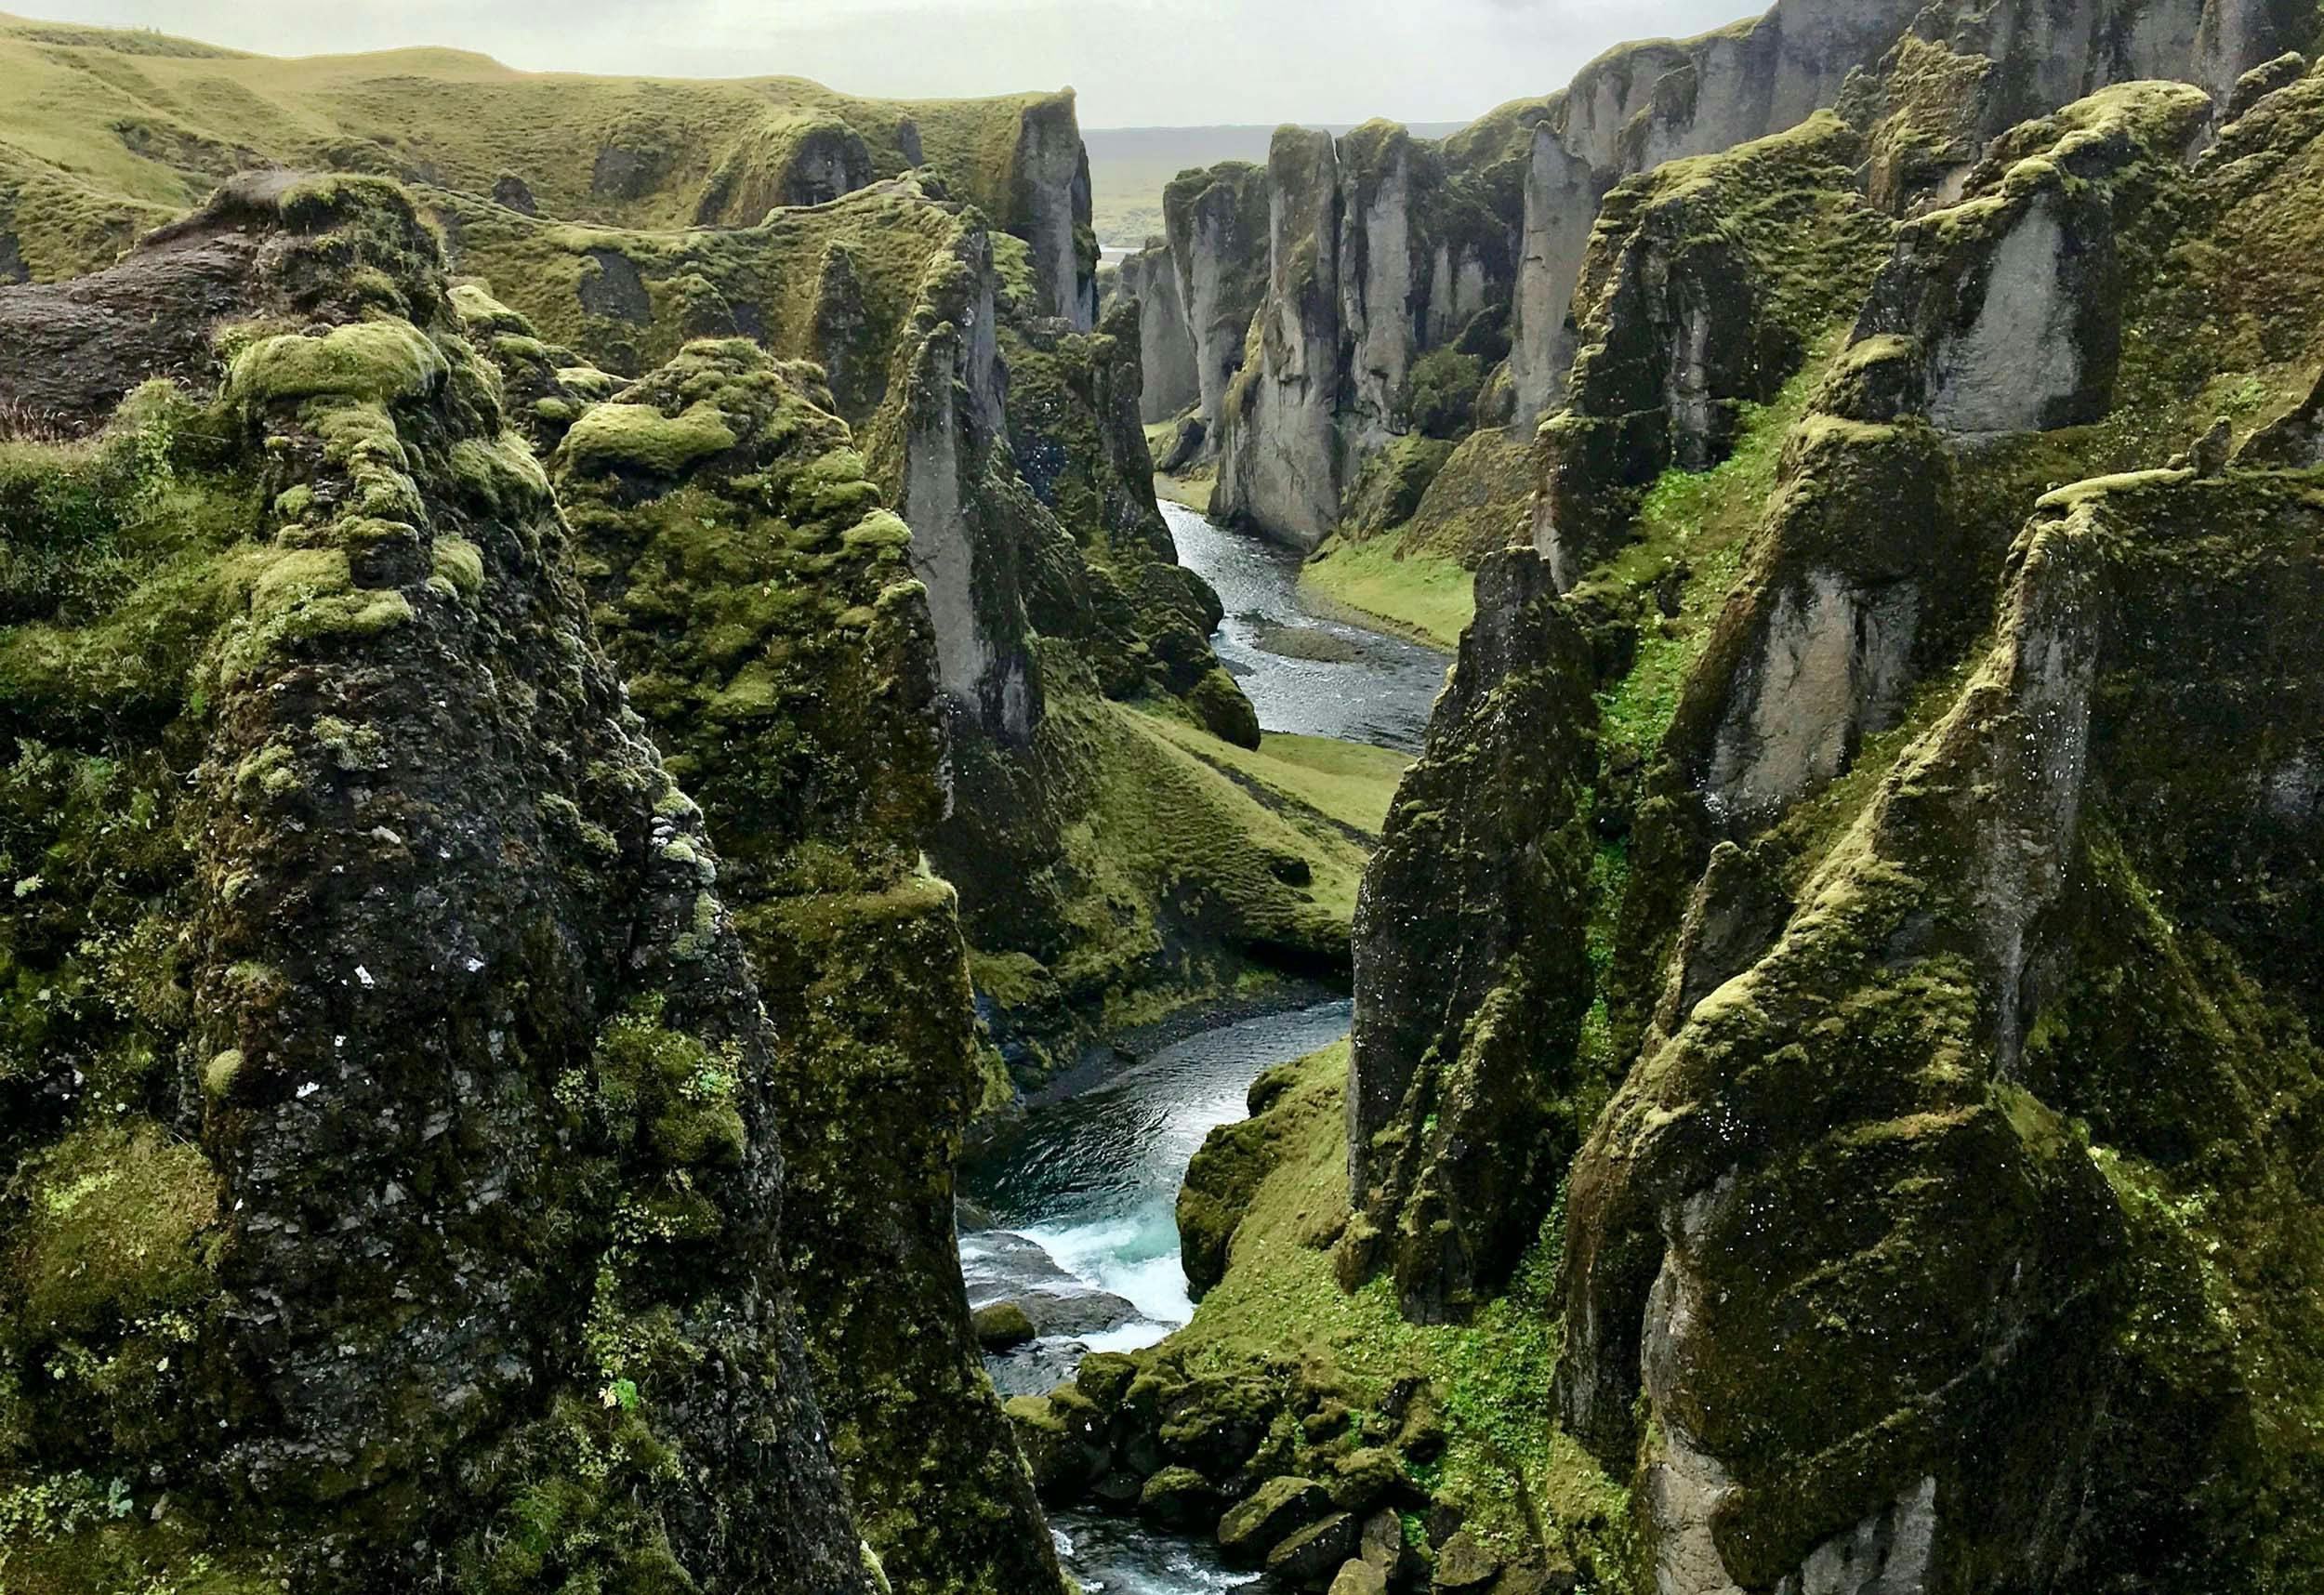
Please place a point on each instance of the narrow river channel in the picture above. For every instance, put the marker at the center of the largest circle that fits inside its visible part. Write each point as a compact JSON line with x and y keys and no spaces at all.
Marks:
{"x":1074,"y":1210}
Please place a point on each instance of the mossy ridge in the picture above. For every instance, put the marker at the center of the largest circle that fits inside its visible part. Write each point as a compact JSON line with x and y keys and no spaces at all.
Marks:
{"x":778,"y":645}
{"x":1140,"y":878}
{"x":645,"y":153}
{"x":1470,"y":959}
{"x":763,"y":282}
{"x":2166,"y":550}
{"x":248,"y":647}
{"x":1770,"y":238}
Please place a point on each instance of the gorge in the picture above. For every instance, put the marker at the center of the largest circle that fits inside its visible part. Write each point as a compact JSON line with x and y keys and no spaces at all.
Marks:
{"x":1577,"y":857}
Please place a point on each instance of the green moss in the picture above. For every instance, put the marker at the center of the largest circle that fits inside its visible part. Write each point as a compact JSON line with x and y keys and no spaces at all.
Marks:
{"x":1504,"y":1460}
{"x":460,"y":563}
{"x":114,"y":1228}
{"x":1690,"y":533}
{"x":373,"y":362}
{"x":299,"y":596}
{"x":641,"y":438}
{"x":1392,"y":481}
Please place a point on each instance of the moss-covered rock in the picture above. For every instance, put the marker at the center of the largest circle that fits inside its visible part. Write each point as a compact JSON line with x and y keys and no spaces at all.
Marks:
{"x":397,"y":1176}
{"x":1465,"y":1093}
{"x":1277,"y":1510}
{"x":1705,"y":280}
{"x":1919,"y":986}
{"x":763,"y":601}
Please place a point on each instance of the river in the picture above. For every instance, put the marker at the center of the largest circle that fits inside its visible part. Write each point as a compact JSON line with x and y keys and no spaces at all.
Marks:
{"x":1073,"y":1211}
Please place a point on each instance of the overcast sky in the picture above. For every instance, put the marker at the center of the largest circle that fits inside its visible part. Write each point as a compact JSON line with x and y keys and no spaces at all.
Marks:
{"x":1135,"y":63}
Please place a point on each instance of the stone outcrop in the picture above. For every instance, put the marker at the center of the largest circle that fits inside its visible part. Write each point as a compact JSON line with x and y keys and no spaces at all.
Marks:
{"x":1705,"y":281}
{"x":1217,"y":222}
{"x":1499,"y":219}
{"x":1382,"y":249}
{"x":398,"y":1174}
{"x":1049,"y":194}
{"x":761,"y":605}
{"x":1170,"y":379}
{"x":1472,"y":963}
{"x":1939,"y":983}
{"x":2011,"y":300}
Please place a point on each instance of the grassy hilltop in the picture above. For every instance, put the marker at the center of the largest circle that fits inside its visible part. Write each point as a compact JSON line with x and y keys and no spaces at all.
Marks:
{"x":104,"y":133}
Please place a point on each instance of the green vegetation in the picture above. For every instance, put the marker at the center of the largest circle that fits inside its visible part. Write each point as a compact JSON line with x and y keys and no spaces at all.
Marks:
{"x":1425,"y":596}
{"x":1688,"y":541}
{"x":110,"y":132}
{"x":1528,"y":1489}
{"x":1349,"y":781}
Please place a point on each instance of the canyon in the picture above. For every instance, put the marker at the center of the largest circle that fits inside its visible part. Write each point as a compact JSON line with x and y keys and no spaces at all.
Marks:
{"x":1577,"y":857}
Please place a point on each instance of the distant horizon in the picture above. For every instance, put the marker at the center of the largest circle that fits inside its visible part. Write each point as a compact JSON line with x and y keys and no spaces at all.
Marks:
{"x":1336,"y":64}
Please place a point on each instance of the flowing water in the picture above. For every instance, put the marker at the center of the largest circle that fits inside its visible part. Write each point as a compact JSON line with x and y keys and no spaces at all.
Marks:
{"x":1073,"y":1212}
{"x":1305,"y":670}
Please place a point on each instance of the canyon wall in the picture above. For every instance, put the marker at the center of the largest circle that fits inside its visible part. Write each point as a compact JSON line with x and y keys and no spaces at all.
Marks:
{"x":1417,"y":239}
{"x":399,"y":1156}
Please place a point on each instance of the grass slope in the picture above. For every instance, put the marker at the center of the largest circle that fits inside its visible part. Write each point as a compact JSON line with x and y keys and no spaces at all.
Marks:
{"x":1521,"y":1481}
{"x":1352,"y":782}
{"x":1423,"y":595}
{"x":105,"y":131}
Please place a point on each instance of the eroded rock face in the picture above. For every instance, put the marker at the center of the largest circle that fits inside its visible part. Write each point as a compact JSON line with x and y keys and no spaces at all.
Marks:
{"x":950,"y":424}
{"x":1698,"y":296}
{"x":1219,"y":230}
{"x":1561,"y":198}
{"x":822,"y":784}
{"x":2001,"y":315}
{"x":2015,"y":296}
{"x":1050,"y":179}
{"x":1170,"y":379}
{"x":445,"y":1140}
{"x":1279,"y":447}
{"x":1472,"y":965}
{"x":1392,"y":261}
{"x":1962,"y":1399}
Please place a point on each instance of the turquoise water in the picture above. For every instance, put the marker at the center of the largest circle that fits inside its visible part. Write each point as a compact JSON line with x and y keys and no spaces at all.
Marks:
{"x":1074,"y":1210}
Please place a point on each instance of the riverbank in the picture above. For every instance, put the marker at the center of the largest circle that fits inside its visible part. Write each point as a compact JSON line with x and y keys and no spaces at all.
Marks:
{"x":1071,"y":1206}
{"x":1284,"y":1387}
{"x":1419,"y":595}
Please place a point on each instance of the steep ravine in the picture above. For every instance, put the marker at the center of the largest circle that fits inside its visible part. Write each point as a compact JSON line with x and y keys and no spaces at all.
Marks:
{"x":1072,"y":1214}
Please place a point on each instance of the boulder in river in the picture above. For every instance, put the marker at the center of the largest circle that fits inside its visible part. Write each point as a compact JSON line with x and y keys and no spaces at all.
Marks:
{"x":1179,"y":1498}
{"x":1077,"y":1313}
{"x":1002,"y":1325}
{"x":1310,"y":1557}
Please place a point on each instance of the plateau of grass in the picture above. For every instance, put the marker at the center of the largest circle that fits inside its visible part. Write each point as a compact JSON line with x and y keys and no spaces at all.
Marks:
{"x":1423,"y":596}
{"x":102,"y":129}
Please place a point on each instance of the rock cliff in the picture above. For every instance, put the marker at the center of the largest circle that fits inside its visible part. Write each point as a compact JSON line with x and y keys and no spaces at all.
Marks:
{"x":1921,"y":871}
{"x":1831,"y":1107}
{"x":395,"y":1143}
{"x":761,"y":603}
{"x":1419,"y":239}
{"x":1009,"y":442}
